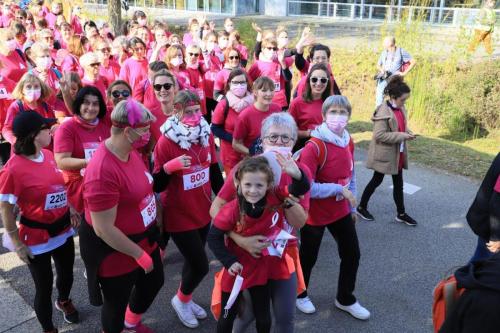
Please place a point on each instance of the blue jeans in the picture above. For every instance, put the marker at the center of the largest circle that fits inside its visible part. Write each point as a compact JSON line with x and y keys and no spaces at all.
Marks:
{"x":379,"y":95}
{"x":482,"y":252}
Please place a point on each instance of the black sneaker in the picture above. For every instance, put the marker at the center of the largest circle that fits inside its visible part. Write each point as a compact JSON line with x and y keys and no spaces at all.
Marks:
{"x":405,"y":218}
{"x":365,"y":214}
{"x":70,"y":314}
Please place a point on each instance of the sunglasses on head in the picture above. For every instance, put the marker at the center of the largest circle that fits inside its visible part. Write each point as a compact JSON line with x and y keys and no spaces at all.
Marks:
{"x":166,"y":86}
{"x":194,"y":54}
{"x":323,"y":80}
{"x":118,"y":93}
{"x":234,"y":57}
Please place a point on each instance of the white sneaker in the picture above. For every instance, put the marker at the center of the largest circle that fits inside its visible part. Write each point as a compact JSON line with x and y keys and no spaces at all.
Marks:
{"x":305,"y":305}
{"x":184,"y":312}
{"x":198,"y":311}
{"x":355,"y":310}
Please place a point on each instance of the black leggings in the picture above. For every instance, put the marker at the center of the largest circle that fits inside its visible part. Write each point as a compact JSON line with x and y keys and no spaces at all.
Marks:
{"x":397,"y":192}
{"x":136,"y":289}
{"x":5,"y":149}
{"x":41,"y":270}
{"x":344,"y":233}
{"x":191,"y":244}
{"x":261,"y":305}
{"x":211,"y":104}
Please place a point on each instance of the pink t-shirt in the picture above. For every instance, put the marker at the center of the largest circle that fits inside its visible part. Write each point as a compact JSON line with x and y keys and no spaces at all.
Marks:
{"x":6,"y":88}
{"x":72,"y":137}
{"x":14,"y":66}
{"x":100,"y":83}
{"x":197,"y":83}
{"x":249,"y":123}
{"x":145,"y":94}
{"x":213,"y":65}
{"x":13,"y":110}
{"x":76,"y":25}
{"x":128,"y":186}
{"x":229,"y":157}
{"x":188,"y":188}
{"x":306,"y":115}
{"x":70,"y":64}
{"x":134,"y":71}
{"x":273,"y":71}
{"x":337,"y":169}
{"x":111,"y":73}
{"x":221,"y":79}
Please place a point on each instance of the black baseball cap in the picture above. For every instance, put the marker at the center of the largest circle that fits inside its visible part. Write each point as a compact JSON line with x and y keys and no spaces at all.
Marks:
{"x":28,"y":122}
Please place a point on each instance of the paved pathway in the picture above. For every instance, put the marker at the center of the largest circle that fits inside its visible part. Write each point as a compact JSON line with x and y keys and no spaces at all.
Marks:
{"x":399,"y":267}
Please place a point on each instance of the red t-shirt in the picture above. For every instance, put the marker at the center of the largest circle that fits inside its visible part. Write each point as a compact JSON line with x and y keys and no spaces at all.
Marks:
{"x":338,"y":169}
{"x":100,"y":83}
{"x":145,"y":94}
{"x":12,"y":112}
{"x":306,"y":115}
{"x":14,"y":66}
{"x":249,"y":123}
{"x":188,"y":188}
{"x":221,"y":79}
{"x":301,"y":86}
{"x":110,"y":182}
{"x":70,"y":64}
{"x":197,"y":82}
{"x":6,"y":88}
{"x":213,"y":66}
{"x":273,"y":71}
{"x":134,"y":71}
{"x":400,"y":118}
{"x":256,"y":271}
{"x":228,"y":156}
{"x":72,"y":137}
{"x":111,"y":73}
{"x":38,"y":189}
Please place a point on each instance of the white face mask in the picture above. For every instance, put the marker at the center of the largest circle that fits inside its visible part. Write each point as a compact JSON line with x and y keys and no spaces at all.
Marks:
{"x":11,"y":44}
{"x":223,"y":43}
{"x":210,"y":46}
{"x":285,"y":151}
{"x":177,"y":61}
{"x":142,"y":22}
{"x":32,"y":94}
{"x":282,"y":42}
{"x":43,"y":63}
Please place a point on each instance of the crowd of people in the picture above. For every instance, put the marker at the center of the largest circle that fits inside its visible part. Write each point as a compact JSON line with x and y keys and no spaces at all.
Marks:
{"x":132,"y":140}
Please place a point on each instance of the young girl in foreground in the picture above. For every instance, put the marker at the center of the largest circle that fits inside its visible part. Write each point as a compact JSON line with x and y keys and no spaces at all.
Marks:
{"x":257,"y":210}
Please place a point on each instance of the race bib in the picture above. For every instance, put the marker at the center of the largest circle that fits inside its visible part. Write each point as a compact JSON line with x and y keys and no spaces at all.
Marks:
{"x":278,"y":243}
{"x":148,"y":209}
{"x":56,"y":200}
{"x":197,"y":178}
{"x":89,"y":149}
{"x":277,"y":86}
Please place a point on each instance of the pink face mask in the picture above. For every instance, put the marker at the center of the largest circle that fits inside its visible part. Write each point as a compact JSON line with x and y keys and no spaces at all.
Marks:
{"x":239,"y":89}
{"x":336,"y":123}
{"x":32,"y":95}
{"x":192,"y":120}
{"x":142,"y":141}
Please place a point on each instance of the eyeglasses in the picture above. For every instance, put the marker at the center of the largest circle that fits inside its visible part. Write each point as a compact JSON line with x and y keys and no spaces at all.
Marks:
{"x":96,"y":64}
{"x":166,"y":86}
{"x":118,"y":93}
{"x":234,"y":57}
{"x":194,"y":54}
{"x":105,"y":49}
{"x":238,"y":82}
{"x":273,"y":138}
{"x":48,"y":38}
{"x":139,"y":49}
{"x":323,"y":80}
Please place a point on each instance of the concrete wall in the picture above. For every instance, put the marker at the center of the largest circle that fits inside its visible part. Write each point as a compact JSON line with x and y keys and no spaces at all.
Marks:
{"x":275,"y":7}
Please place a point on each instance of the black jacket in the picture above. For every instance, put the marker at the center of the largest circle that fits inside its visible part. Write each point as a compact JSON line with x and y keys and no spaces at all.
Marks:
{"x":478,"y":309}
{"x":484,"y":213}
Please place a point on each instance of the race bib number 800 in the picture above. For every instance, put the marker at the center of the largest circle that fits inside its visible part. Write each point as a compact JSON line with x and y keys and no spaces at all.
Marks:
{"x":195,"y":179}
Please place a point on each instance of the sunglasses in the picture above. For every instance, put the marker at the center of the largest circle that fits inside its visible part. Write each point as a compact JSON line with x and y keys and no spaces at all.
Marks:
{"x":271,"y":48}
{"x":139,"y":49}
{"x":234,"y":57}
{"x":105,"y":49}
{"x":118,"y":93}
{"x":194,"y":54}
{"x":95,"y":64}
{"x":166,"y":86}
{"x":323,"y":80}
{"x":48,"y":38}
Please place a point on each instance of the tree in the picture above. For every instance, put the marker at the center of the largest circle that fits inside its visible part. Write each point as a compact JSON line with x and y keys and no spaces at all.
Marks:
{"x":115,"y":15}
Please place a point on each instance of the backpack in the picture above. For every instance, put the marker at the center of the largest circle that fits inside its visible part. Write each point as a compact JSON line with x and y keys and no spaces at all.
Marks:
{"x":322,"y":152}
{"x":21,"y":107}
{"x":445,"y":299}
{"x":56,"y":72}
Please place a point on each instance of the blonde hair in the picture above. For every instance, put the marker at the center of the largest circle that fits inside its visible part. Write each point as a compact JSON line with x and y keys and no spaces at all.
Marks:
{"x":38,"y":48}
{"x":270,"y":41}
{"x":182,"y":98}
{"x":193,"y":47}
{"x":171,"y":53}
{"x":120,"y":114}
{"x":17,"y":93}
{"x":5,"y":33}
{"x":75,"y":46}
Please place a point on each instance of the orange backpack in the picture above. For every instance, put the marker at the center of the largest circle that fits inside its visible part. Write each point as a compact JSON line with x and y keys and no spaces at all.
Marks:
{"x":446,"y":296}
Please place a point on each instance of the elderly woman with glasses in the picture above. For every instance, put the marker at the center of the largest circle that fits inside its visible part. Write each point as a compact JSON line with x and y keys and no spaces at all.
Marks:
{"x":330,"y":157}
{"x":91,"y":77}
{"x":110,"y":69}
{"x":279,"y":134}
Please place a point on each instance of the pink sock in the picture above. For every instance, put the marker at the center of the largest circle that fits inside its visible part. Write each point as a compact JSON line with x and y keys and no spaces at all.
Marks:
{"x":184,"y":298}
{"x":132,"y":319}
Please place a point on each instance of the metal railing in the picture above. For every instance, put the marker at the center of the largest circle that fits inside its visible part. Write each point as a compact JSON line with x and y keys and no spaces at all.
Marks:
{"x":181,"y":5}
{"x":361,"y":11}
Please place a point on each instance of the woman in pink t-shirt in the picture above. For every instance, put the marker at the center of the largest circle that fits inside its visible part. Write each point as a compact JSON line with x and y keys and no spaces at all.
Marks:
{"x":232,"y":60}
{"x":109,"y":68}
{"x":70,"y":62}
{"x":14,"y":66}
{"x":174,"y":58}
{"x":135,"y":68}
{"x":158,"y":48}
{"x":235,"y":42}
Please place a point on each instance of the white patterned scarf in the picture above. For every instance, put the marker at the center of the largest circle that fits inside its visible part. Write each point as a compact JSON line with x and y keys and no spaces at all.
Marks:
{"x":323,"y":133}
{"x":185,"y":136}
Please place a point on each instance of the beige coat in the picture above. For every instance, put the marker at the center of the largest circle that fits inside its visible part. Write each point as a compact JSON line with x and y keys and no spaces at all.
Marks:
{"x":384,"y":150}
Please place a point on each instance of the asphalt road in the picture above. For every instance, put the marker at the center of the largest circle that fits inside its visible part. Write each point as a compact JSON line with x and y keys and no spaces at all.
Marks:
{"x":399,"y":266}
